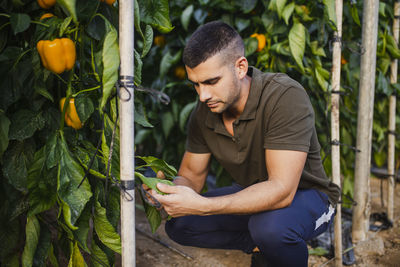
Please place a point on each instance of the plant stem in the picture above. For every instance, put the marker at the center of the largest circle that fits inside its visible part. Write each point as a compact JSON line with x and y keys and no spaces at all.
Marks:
{"x":40,"y":23}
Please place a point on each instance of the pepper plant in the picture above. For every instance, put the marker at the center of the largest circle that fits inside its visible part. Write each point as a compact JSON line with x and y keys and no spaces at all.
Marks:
{"x":59,"y":134}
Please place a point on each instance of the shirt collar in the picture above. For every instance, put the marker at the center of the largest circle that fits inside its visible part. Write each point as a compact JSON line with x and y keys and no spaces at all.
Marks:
{"x":214,"y":120}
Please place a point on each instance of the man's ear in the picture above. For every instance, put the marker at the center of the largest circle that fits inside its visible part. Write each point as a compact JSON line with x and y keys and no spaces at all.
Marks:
{"x":242,"y":66}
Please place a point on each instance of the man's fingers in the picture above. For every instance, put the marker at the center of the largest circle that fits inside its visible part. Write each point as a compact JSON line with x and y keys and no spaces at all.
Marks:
{"x":166,"y":188}
{"x":145,"y":187}
{"x":160,"y":175}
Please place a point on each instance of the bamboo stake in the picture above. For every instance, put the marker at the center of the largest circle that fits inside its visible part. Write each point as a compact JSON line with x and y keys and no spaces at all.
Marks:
{"x":362,"y":196}
{"x":127,"y":153}
{"x":392,"y":117}
{"x":335,"y":97}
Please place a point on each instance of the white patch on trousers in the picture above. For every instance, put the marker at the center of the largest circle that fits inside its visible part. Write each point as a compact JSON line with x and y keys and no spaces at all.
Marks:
{"x":325,"y":217}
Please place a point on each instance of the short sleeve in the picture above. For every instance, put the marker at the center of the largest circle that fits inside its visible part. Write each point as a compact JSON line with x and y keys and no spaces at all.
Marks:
{"x":290,"y":124}
{"x":195,"y":141}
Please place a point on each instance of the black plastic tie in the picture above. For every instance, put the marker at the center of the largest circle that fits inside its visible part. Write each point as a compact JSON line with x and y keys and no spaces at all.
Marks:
{"x":128,"y":184}
{"x":125,"y":82}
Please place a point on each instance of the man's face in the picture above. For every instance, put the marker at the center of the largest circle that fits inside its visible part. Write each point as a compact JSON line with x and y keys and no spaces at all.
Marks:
{"x":216,"y":83}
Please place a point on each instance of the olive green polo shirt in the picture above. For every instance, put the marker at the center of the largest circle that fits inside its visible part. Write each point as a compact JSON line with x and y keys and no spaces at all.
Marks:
{"x":277,"y":115}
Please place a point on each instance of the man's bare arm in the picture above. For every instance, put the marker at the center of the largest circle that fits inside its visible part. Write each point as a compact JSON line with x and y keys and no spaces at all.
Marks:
{"x":284,"y":170}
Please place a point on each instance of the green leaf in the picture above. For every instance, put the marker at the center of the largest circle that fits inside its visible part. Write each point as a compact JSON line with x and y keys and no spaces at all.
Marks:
{"x":184,"y":115}
{"x":24,"y":124}
{"x":106,"y":140}
{"x":287,"y":12}
{"x":53,"y":151}
{"x":100,"y":258}
{"x":297,"y":43}
{"x":110,"y":58}
{"x":354,"y":15}
{"x":142,"y":135}
{"x":250,"y":46}
{"x":52,"y":257}
{"x":247,"y":5}
{"x":32,"y":238}
{"x":19,"y":22}
{"x":153,"y":217}
{"x":10,"y":237}
{"x":4,"y":127}
{"x":319,"y":251}
{"x":330,"y":12}
{"x":185,"y":17}
{"x":148,"y":40}
{"x":43,"y":92}
{"x":156,"y":13}
{"x":105,"y":230}
{"x":168,"y":60}
{"x":64,"y":25}
{"x":280,"y":5}
{"x":74,"y":199}
{"x":317,"y":51}
{"x":167,"y":123}
{"x":319,"y":73}
{"x":43,"y":247}
{"x":159,"y":165}
{"x":138,"y":68}
{"x":241,"y":23}
{"x":76,"y":259}
{"x":152,"y":182}
{"x":382,"y":7}
{"x":70,"y":6}
{"x":137,"y":18}
{"x":42,"y":184}
{"x":16,"y":161}
{"x":82,"y":232}
{"x":84,"y":107}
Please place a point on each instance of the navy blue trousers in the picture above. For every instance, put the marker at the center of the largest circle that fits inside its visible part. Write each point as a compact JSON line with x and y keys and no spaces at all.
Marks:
{"x":280,"y":234}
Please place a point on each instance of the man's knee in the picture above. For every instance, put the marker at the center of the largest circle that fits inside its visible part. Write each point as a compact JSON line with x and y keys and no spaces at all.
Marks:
{"x":270,"y":234}
{"x":178,"y":229}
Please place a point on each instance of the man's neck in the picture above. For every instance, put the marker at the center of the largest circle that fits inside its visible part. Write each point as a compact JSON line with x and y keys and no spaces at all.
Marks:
{"x":235,"y":111}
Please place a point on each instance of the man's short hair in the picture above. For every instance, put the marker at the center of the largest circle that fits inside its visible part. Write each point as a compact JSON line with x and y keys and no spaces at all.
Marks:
{"x":210,"y":39}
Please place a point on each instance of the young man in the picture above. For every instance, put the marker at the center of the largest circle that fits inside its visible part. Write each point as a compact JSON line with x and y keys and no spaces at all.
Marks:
{"x":260,"y":127}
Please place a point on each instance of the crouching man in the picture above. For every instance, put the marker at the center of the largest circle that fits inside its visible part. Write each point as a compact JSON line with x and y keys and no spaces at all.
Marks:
{"x":260,"y":128}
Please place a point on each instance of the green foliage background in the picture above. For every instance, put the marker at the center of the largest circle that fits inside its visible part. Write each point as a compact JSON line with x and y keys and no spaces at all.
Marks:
{"x":44,"y":216}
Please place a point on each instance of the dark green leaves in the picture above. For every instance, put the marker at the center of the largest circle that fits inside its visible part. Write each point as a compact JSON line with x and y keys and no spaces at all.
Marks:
{"x":70,"y":7}
{"x":156,"y":13}
{"x":110,"y":58}
{"x":32,"y":238}
{"x":105,"y":231}
{"x":84,"y":107}
{"x":297,"y":43}
{"x":4,"y":127}
{"x":185,"y":17}
{"x":24,"y":123}
{"x":42,"y":184}
{"x":16,"y":161}
{"x":70,"y":174}
{"x":159,"y":165}
{"x":19,"y":22}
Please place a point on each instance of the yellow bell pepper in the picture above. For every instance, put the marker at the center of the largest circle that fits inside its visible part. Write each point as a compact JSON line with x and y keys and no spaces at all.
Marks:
{"x":58,"y":55}
{"x":261,"y":41}
{"x":108,"y":2}
{"x":71,"y":116}
{"x":46,"y":15}
{"x":46,"y":4}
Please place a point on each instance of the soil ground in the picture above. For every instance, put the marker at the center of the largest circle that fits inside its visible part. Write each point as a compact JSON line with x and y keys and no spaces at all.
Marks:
{"x":381,"y":248}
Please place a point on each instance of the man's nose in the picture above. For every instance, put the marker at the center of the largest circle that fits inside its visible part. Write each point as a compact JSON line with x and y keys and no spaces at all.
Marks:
{"x":204,"y":93}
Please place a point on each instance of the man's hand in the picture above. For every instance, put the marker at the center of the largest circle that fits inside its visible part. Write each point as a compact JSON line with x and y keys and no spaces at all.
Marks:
{"x":159,"y":175}
{"x":181,"y":200}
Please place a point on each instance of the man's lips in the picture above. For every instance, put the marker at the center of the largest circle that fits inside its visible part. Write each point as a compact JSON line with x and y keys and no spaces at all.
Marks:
{"x":212,"y":104}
